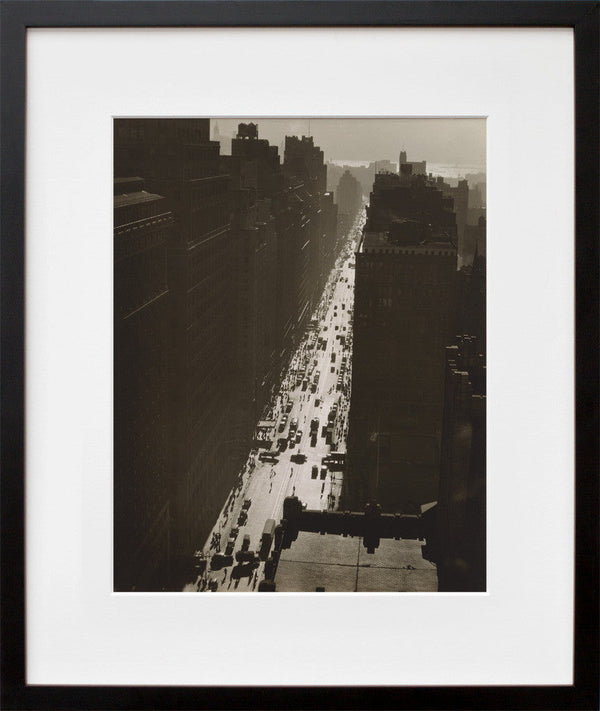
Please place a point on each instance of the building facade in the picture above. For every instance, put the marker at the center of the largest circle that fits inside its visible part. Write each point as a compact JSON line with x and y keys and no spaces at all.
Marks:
{"x":404,"y":316}
{"x":461,"y":510}
{"x":143,"y":228}
{"x":177,"y":159}
{"x":349,"y":199}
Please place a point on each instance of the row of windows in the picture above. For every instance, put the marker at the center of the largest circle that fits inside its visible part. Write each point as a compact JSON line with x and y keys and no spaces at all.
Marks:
{"x":392,"y":264}
{"x":131,"y":241}
{"x":132,"y":213}
{"x":411,"y":293}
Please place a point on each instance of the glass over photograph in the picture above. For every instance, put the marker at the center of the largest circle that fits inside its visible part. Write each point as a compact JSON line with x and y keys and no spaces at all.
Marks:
{"x":299,"y":355}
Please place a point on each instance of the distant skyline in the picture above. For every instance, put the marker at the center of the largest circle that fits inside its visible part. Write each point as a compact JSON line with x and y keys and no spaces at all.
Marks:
{"x":458,"y":141}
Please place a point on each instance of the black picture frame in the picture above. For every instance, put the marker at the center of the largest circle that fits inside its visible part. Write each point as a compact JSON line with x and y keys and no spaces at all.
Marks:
{"x":19,"y":15}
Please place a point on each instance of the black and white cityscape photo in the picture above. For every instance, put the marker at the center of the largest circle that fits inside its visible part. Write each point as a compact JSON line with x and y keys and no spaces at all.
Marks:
{"x":299,"y":355}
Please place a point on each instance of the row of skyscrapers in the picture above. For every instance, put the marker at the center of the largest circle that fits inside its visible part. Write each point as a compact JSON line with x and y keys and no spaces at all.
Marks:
{"x":219,"y":263}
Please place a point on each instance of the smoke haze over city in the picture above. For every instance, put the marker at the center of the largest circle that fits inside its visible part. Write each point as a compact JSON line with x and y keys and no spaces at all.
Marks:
{"x":456,"y":141}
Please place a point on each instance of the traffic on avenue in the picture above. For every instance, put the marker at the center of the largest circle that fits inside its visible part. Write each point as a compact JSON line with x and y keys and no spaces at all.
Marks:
{"x":300,"y":444}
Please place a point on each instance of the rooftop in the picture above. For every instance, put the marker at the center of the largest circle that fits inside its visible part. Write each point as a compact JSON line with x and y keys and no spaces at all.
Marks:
{"x":340,"y":564}
{"x":137,"y":198}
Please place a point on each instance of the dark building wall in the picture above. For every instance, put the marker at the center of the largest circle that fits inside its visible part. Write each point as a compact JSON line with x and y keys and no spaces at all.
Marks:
{"x":460,"y":195}
{"x":143,"y":226}
{"x":474,"y":241}
{"x":254,"y":297}
{"x":416,"y":199}
{"x":462,"y":499}
{"x":301,"y":237}
{"x":302,"y":230}
{"x":248,"y":146}
{"x":471,"y":300}
{"x":305,"y":160}
{"x":330,"y":237}
{"x":404,"y":315}
{"x":177,"y":156}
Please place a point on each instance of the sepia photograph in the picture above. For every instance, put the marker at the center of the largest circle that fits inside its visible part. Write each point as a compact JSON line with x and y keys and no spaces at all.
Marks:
{"x":299,"y":355}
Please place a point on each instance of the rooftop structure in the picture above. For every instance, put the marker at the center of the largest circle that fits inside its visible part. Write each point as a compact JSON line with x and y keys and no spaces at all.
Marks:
{"x":332,"y":563}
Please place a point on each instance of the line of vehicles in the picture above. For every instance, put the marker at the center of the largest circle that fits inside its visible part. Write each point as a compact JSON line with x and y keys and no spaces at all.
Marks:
{"x":247,"y":559}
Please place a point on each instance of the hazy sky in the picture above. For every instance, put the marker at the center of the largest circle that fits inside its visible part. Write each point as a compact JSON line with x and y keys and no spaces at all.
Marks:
{"x":457,"y":141}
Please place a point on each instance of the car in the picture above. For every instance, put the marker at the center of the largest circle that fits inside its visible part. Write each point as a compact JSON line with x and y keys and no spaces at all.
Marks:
{"x":294,"y":423}
{"x":268,"y":456}
{"x":234,"y":532}
{"x":298,"y":436}
{"x":323,"y":472}
{"x":242,"y":518}
{"x":220,"y":561}
{"x":245,"y":556}
{"x":246,"y":542}
{"x":314,"y":472}
{"x":289,"y":405}
{"x":247,"y":503}
{"x":229,"y":548}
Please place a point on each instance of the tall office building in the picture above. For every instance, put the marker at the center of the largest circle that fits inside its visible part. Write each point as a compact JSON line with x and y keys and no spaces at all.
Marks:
{"x":404,"y":316}
{"x":301,"y":233}
{"x":306,"y":161}
{"x":143,"y":227}
{"x":349,"y":199}
{"x":406,"y":167}
{"x":178,"y":160}
{"x":255,"y":175}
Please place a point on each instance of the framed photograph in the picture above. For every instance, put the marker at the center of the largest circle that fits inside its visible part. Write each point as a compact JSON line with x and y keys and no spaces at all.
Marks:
{"x":299,"y":298}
